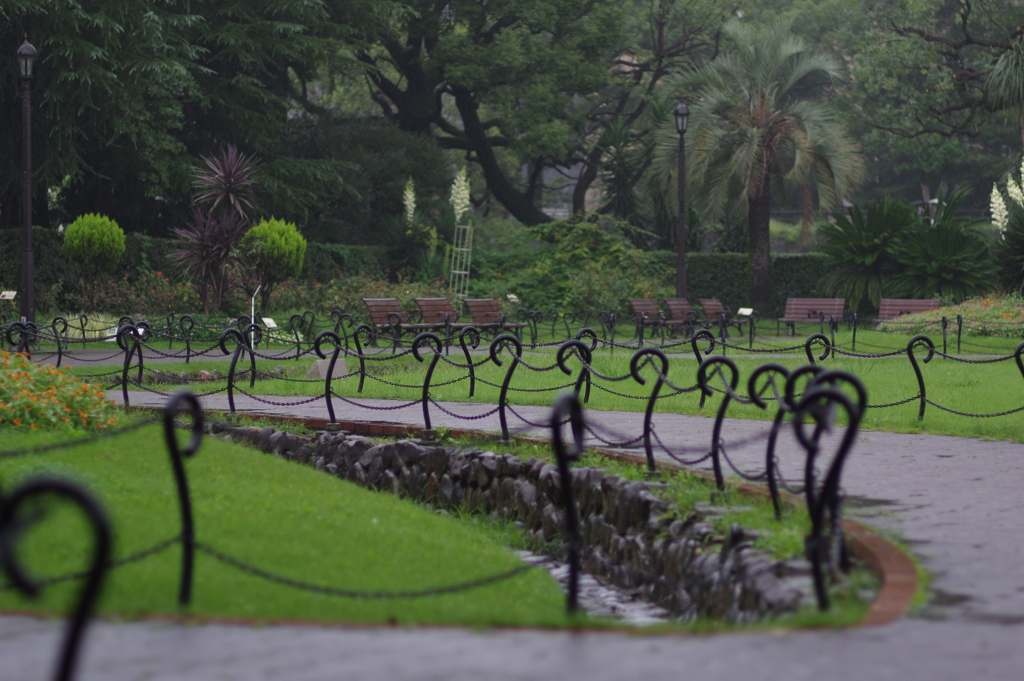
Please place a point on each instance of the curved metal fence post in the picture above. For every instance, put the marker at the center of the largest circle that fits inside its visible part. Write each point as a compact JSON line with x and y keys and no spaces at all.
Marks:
{"x":83,"y":320}
{"x":359,"y":351}
{"x":782,"y":408}
{"x":253,"y":336}
{"x":853,"y":316}
{"x":169,"y":328}
{"x":296,"y":323}
{"x":810,"y":341}
{"x":331,"y":336}
{"x":917,"y":370}
{"x":22,"y":343}
{"x":59,"y":337}
{"x":634,"y":370}
{"x":188,"y":537}
{"x":710,"y":338}
{"x":569,"y":406}
{"x":583,"y":352}
{"x":945,"y":325}
{"x":239,"y":348}
{"x":129,"y":348}
{"x":474,"y":334}
{"x":10,"y":525}
{"x":730,"y":393}
{"x":590,"y":334}
{"x":818,"y":403}
{"x":435,"y":340}
{"x":959,"y":330}
{"x":496,"y":345}
{"x":187,"y":324}
{"x":143,"y":334}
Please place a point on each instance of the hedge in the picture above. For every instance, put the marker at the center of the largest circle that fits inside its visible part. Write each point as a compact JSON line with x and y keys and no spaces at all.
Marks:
{"x":726,"y":276}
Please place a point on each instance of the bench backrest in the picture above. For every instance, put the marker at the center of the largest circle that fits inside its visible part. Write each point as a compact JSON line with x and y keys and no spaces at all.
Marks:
{"x":711,"y":307}
{"x":434,"y":310}
{"x":381,"y":308}
{"x":678,"y":308}
{"x":646,"y":306}
{"x":801,"y":309}
{"x":890,"y":308}
{"x":483,"y":310}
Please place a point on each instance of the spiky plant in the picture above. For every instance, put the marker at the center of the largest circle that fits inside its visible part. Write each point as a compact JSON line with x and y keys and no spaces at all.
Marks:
{"x":859,"y":249}
{"x":227,"y":183}
{"x":207,"y":244}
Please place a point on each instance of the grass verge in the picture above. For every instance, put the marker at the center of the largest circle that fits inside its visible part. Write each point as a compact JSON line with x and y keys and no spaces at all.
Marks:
{"x":282,"y":517}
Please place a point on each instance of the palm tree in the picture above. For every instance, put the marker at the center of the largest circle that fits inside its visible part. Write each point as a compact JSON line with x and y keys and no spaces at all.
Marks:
{"x":1006,"y":82}
{"x":753,"y":118}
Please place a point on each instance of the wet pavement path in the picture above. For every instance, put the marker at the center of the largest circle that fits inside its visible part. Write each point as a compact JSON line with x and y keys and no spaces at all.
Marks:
{"x":957,"y":502}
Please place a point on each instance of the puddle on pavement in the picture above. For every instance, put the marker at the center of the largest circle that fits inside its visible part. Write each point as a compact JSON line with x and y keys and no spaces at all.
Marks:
{"x":866,"y":502}
{"x":599,"y":600}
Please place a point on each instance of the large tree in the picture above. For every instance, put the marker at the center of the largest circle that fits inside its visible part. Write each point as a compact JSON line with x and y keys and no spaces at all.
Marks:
{"x":489,"y":77}
{"x":129,"y":94}
{"x":756,"y":115}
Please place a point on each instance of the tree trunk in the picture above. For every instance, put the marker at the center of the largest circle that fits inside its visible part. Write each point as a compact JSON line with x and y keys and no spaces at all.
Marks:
{"x":518,"y":203}
{"x":807,"y":202}
{"x":759,"y":207}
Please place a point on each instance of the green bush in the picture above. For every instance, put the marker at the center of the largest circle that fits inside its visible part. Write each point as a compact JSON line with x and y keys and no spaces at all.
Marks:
{"x":859,"y":249}
{"x":95,"y":244}
{"x":895,"y":252}
{"x":271,"y":251}
{"x":949,"y":261}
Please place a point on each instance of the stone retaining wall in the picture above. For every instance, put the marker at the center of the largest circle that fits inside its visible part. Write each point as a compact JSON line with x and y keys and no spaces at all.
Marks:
{"x":630,"y":538}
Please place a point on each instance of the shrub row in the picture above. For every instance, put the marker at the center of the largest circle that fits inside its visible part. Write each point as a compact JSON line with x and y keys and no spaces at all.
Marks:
{"x":726,"y":276}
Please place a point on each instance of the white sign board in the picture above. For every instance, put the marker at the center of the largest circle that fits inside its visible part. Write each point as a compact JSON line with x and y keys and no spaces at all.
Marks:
{"x":8,"y":295}
{"x":745,"y":311}
{"x":269,"y":323}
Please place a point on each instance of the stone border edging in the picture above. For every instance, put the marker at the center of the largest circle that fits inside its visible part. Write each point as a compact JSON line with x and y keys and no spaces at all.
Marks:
{"x":895,"y":570}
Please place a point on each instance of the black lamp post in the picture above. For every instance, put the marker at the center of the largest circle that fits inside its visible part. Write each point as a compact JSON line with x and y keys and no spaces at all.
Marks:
{"x":682,"y":114}
{"x":26,"y":62}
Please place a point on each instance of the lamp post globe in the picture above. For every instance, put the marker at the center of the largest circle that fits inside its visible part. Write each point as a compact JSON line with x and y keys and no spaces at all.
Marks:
{"x":682,"y":116}
{"x":26,"y":68}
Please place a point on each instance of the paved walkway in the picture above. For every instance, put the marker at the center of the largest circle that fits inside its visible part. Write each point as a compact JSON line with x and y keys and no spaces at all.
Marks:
{"x":957,"y":502}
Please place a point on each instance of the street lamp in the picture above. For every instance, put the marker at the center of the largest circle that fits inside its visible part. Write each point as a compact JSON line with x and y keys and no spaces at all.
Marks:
{"x":26,"y":63}
{"x":682,"y":115}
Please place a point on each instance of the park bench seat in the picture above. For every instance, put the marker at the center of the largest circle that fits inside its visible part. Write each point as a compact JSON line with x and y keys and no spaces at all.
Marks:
{"x":681,"y":314}
{"x":386,"y":314}
{"x":891,"y":308}
{"x":804,"y":310}
{"x":715,"y":312}
{"x":486,"y":314}
{"x":646,"y":312}
{"x":437,"y":311}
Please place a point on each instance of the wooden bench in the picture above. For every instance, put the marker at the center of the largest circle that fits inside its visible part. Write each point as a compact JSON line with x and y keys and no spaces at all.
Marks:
{"x":438,"y":313}
{"x":681,"y":315}
{"x":387,"y":315}
{"x":646,"y":315}
{"x":715,"y":312}
{"x":486,"y":314}
{"x":891,"y":308}
{"x":804,"y":310}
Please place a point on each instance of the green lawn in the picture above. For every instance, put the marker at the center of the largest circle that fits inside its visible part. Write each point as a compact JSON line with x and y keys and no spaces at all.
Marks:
{"x":281,"y":516}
